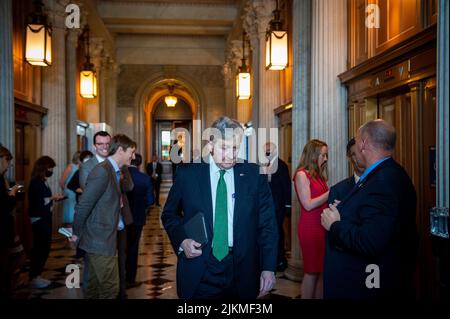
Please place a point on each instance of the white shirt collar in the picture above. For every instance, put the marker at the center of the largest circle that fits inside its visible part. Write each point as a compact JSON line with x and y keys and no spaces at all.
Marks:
{"x":99,"y":158}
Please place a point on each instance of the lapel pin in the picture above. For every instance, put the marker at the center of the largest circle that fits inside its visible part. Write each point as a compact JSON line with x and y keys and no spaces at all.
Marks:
{"x":241,"y":174}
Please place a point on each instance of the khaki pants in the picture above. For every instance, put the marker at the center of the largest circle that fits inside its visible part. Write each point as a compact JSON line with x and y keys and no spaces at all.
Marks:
{"x":103,"y":281}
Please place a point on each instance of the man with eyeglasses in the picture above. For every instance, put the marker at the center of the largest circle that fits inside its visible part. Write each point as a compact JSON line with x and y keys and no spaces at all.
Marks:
{"x":101,"y":146}
{"x":102,"y":142}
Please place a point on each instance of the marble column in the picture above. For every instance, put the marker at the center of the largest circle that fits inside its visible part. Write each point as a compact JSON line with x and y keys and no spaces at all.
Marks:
{"x":54,"y":135}
{"x":93,"y":106}
{"x":7,"y":132}
{"x":230,"y":70}
{"x":256,"y":23}
{"x":71,"y":69}
{"x":251,"y":28}
{"x":328,"y":96}
{"x":442,"y":156}
{"x":301,"y":99}
{"x":103,"y":85}
{"x":111,"y":106}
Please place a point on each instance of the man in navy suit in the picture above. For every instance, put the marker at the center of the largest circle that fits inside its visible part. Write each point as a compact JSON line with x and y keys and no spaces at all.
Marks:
{"x":341,"y":189}
{"x":240,"y":257}
{"x":277,"y":173}
{"x":372,"y":241}
{"x":140,"y":199}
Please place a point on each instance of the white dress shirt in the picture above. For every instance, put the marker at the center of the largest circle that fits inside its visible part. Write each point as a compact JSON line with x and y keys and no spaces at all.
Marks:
{"x":99,"y":158}
{"x":214,"y":174}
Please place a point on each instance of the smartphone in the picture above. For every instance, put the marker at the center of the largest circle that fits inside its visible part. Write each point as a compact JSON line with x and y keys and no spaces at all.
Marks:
{"x":65,"y":197}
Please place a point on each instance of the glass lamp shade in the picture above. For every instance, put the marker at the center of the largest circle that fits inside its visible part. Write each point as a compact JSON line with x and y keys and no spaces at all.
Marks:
{"x":38,"y":47}
{"x":243,"y":91}
{"x":170,"y":100}
{"x":276,"y":50}
{"x":88,"y":84}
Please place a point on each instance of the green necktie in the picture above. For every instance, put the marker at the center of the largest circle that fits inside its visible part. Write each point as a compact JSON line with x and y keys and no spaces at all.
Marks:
{"x":220,"y":238}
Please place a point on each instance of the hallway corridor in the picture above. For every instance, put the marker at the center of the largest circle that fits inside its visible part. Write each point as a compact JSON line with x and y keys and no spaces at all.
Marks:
{"x":156,"y":267}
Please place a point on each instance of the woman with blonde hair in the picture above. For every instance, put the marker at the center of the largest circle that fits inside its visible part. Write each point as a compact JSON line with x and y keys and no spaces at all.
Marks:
{"x":310,"y":180}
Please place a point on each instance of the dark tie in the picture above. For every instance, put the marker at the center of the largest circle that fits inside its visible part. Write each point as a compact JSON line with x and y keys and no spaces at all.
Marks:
{"x":220,"y":238}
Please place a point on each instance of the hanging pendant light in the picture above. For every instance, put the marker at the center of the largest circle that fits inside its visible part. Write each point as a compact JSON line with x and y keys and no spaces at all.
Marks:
{"x":88,"y":76}
{"x":243,"y":91}
{"x":171,"y":100}
{"x":276,"y":43}
{"x":38,"y":41}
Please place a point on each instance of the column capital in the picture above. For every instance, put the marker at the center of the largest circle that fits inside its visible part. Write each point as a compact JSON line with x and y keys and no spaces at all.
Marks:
{"x":56,"y":12}
{"x":234,"y":53}
{"x":256,"y":18}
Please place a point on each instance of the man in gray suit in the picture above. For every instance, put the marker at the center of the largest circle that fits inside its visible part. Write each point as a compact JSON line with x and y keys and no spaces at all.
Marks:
{"x":102,"y":141}
{"x":99,"y":217}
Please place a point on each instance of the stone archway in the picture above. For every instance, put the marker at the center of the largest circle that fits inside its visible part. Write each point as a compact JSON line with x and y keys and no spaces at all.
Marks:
{"x":150,"y":92}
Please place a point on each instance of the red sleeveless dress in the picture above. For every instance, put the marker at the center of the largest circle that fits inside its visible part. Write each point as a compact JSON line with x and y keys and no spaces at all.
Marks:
{"x":310,"y":232}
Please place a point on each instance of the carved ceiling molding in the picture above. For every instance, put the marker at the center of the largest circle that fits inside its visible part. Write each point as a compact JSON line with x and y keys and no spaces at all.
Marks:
{"x":209,"y":3}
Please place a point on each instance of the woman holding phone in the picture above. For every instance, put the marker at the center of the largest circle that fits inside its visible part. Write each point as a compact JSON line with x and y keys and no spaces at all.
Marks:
{"x":40,"y":211}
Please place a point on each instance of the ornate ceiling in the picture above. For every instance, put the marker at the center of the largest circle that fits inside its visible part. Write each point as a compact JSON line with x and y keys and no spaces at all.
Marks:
{"x":169,"y":17}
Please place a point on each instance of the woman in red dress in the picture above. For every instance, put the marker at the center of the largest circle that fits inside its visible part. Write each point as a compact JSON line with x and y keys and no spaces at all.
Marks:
{"x":310,"y":180}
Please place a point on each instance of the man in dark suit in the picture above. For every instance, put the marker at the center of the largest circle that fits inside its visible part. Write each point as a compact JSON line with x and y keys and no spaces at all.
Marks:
{"x":240,"y":257}
{"x":140,"y":199}
{"x":277,"y":173}
{"x":372,"y":239}
{"x":99,"y":217}
{"x":341,"y":189}
{"x":154,"y":170}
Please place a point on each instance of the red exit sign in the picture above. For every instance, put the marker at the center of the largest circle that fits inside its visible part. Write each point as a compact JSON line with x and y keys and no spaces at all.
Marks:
{"x":389,"y":73}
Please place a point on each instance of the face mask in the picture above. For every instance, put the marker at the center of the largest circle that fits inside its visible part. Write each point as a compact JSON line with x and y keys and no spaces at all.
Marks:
{"x":48,"y":173}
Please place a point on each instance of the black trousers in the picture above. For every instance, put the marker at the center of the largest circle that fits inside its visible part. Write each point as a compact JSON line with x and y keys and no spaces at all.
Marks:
{"x":5,"y":273}
{"x":122,"y":258}
{"x":42,"y":239}
{"x":133,"y":237}
{"x":218,"y":281}
{"x":280,"y":221}
{"x":156,"y":188}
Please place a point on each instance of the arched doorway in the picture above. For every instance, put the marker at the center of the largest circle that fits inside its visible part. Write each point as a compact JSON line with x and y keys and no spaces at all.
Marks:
{"x":164,"y":120}
{"x":157,"y":120}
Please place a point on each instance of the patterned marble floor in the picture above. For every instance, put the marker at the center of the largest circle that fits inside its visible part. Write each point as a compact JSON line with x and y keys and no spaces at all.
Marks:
{"x":155,"y":275}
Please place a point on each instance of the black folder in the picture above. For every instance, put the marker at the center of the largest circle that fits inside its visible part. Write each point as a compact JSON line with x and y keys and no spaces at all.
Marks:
{"x":195,"y":229}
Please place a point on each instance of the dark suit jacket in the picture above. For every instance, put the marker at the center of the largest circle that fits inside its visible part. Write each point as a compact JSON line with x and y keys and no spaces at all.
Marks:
{"x":255,"y":234}
{"x":97,"y":212}
{"x":377,"y":227}
{"x":149,"y":170}
{"x":281,"y":187}
{"x":340,"y":190}
{"x":141,"y":197}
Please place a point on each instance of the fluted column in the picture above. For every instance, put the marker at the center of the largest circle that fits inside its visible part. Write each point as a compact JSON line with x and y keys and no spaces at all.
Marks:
{"x":92,"y":106}
{"x":230,"y":69}
{"x":328,"y":96}
{"x":111,"y":106}
{"x":54,"y":135}
{"x":301,"y":92}
{"x":256,"y":23}
{"x":442,"y":167}
{"x":103,"y":85}
{"x":71,"y":69}
{"x":6,"y":80}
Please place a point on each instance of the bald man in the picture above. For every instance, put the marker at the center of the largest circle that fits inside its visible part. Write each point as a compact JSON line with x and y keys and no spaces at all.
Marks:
{"x":371,"y":241}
